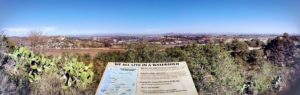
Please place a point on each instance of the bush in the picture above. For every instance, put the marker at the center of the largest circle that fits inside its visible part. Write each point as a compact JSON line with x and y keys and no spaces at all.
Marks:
{"x":214,"y":71}
{"x":281,"y":50}
{"x":44,"y":72}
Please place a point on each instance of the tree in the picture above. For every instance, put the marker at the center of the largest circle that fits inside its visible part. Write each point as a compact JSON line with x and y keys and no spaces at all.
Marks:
{"x":176,"y":54}
{"x":107,"y":44}
{"x":255,"y":43}
{"x":5,"y":44}
{"x":130,"y":55}
{"x":212,"y":67}
{"x":86,"y":58}
{"x":150,"y":53}
{"x":2,"y":40}
{"x":239,"y":50}
{"x":109,"y":57}
{"x":35,"y":38}
{"x":281,"y":50}
{"x":256,"y":56}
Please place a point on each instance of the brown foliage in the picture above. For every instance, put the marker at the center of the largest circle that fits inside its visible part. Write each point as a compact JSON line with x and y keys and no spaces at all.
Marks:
{"x":36,"y":38}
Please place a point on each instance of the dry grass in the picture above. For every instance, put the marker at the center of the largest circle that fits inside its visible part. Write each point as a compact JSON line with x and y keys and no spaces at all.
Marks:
{"x":48,"y":85}
{"x":51,"y":84}
{"x":91,"y":51}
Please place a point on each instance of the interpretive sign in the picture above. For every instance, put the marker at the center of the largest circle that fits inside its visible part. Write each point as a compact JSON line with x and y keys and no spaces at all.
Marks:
{"x":170,"y":78}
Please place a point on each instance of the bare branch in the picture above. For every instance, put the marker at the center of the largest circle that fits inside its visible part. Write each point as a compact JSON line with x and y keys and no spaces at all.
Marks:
{"x":35,"y":38}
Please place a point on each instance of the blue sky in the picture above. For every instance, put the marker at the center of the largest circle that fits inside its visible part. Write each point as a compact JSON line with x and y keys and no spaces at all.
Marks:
{"x":88,"y":17}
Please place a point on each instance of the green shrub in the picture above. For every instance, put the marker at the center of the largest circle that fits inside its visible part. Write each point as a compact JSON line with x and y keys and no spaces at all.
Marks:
{"x":38,"y":68}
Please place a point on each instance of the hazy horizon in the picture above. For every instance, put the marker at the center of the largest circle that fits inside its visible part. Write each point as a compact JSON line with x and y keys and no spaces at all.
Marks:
{"x":134,"y":17}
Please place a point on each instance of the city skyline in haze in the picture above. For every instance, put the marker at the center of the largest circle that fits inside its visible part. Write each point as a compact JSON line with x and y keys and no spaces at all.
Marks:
{"x":96,"y":17}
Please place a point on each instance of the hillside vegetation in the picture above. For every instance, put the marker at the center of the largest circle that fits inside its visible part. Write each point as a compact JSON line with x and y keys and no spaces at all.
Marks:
{"x":229,"y":68}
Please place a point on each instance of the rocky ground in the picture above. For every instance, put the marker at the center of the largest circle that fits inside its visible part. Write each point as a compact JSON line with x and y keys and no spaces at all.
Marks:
{"x":10,"y":84}
{"x":292,"y":81}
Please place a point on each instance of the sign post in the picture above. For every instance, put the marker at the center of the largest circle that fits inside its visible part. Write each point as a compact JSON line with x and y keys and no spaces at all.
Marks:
{"x":169,"y":78}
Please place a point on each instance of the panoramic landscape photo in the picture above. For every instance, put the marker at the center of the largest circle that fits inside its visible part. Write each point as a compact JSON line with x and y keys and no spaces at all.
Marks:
{"x":149,"y":47}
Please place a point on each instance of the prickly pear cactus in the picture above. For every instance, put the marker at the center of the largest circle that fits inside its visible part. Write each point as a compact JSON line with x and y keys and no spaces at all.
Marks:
{"x":74,"y":72}
{"x":77,"y":72}
{"x":34,"y":65}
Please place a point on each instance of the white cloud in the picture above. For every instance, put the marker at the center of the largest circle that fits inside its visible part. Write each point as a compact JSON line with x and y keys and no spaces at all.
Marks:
{"x":152,"y":30}
{"x":27,"y":29}
{"x":48,"y":29}
{"x":17,"y":29}
{"x":21,"y":31}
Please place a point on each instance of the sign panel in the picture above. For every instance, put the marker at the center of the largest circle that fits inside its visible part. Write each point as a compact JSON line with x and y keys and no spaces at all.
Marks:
{"x":170,"y":78}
